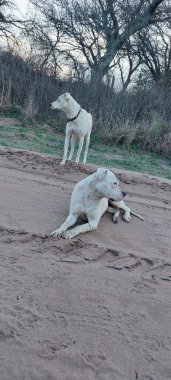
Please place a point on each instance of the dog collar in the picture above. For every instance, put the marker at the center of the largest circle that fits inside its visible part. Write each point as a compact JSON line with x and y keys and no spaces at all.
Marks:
{"x":75,"y":117}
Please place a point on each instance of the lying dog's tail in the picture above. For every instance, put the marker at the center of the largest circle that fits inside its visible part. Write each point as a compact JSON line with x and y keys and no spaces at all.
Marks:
{"x":137,"y":215}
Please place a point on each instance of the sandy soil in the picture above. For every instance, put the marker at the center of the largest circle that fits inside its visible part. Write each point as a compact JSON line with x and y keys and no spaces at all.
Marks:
{"x":97,"y":307}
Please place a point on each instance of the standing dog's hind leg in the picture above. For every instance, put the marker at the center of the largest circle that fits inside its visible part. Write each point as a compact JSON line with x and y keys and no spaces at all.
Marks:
{"x":86,"y":148}
{"x":81,"y":142}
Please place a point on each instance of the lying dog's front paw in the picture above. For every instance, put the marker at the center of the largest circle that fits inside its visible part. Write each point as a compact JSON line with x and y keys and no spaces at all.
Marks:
{"x":56,"y":233}
{"x":67,"y":235}
{"x":127,"y":217}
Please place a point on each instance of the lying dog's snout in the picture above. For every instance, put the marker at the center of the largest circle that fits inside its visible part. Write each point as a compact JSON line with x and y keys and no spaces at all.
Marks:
{"x":123,"y":193}
{"x":50,"y":104}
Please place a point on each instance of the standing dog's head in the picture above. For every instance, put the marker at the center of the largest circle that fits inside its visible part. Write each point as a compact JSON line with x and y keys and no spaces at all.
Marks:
{"x":107,"y":185}
{"x":62,"y":103}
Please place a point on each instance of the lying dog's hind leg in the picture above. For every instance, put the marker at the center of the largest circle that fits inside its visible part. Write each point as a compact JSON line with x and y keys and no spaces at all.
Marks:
{"x":121,"y":205}
{"x":70,"y":220}
{"x":80,"y":229}
{"x":93,"y":221}
{"x":111,"y":210}
{"x":115,"y":212}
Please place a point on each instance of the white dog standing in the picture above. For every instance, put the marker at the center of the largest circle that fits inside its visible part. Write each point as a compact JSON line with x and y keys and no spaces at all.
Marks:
{"x":90,"y":199}
{"x":79,"y":125}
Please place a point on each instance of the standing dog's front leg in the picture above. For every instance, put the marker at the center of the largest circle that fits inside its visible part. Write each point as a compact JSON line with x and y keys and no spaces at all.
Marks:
{"x":66,"y":145}
{"x":73,"y":141}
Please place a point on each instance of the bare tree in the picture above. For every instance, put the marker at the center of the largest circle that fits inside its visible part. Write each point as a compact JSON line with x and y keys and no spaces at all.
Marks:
{"x":128,"y":54}
{"x":44,"y":51}
{"x":97,"y":30}
{"x":155,"y":50}
{"x":8,"y":21}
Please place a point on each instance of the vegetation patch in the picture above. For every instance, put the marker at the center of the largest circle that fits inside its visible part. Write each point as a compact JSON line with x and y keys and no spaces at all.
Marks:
{"x":45,"y":139}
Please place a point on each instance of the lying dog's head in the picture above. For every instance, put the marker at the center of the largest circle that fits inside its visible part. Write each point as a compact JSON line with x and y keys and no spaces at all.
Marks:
{"x":107,"y":185}
{"x":61,"y":103}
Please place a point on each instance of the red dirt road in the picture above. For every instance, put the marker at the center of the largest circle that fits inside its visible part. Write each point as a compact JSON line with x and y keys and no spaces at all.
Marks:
{"x":97,"y":307}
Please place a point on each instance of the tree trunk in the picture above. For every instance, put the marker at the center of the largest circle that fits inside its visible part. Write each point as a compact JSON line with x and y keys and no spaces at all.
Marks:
{"x":97,"y":74}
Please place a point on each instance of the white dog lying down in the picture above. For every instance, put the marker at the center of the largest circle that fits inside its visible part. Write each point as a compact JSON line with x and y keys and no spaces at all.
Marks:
{"x":90,"y":199}
{"x":79,"y":125}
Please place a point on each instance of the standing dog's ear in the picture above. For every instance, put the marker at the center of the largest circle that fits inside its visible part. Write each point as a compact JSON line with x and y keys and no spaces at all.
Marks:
{"x":67,"y":96}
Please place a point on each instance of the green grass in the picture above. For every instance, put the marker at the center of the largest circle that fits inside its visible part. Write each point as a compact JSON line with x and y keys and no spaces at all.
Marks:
{"x":130,"y":159}
{"x":46,"y":140}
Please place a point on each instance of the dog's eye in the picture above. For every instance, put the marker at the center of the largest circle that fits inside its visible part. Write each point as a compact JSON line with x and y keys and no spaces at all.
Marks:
{"x":115,"y":183}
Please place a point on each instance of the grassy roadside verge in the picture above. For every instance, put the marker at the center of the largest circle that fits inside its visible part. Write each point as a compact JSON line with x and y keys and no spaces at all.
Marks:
{"x":44,"y":139}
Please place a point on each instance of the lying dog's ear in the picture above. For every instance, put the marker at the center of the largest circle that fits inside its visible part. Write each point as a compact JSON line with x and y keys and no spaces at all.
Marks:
{"x":67,"y":96}
{"x":101,"y":173}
